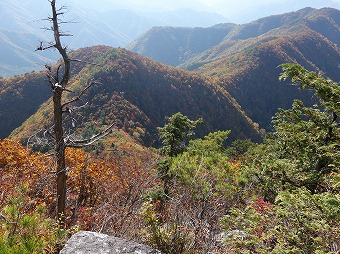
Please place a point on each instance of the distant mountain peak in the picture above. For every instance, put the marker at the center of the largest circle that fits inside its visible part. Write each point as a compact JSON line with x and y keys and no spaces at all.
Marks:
{"x":245,"y":54}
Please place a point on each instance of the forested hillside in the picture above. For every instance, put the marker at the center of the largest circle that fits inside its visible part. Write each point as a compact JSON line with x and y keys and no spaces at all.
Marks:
{"x":175,"y":45}
{"x":251,"y":76}
{"x":137,"y":93}
{"x":21,"y":96}
{"x":245,"y":61}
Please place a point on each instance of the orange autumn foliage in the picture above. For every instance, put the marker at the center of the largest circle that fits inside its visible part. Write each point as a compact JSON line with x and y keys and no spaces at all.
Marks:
{"x":103,"y":193}
{"x":18,"y":166}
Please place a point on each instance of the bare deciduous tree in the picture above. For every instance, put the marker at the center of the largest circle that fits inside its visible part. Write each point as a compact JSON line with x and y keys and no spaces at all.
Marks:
{"x":58,"y":79}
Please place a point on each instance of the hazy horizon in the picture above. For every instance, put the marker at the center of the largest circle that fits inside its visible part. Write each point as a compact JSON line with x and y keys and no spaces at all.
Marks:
{"x":240,"y":11}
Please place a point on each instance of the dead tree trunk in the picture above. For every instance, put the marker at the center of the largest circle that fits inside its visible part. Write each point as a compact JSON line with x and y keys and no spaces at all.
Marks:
{"x":60,"y":156}
{"x":58,"y":82}
{"x":58,"y":120}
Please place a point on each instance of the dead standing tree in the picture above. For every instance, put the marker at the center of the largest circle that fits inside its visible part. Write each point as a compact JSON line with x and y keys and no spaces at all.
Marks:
{"x":58,"y":79}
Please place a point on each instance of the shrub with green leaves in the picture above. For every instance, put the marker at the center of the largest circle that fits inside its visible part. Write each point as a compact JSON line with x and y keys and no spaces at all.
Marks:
{"x":204,"y":169}
{"x":304,"y":149}
{"x":24,"y":229}
{"x":297,"y":170}
{"x":298,"y":222}
{"x":203,"y":186}
{"x":167,"y":237}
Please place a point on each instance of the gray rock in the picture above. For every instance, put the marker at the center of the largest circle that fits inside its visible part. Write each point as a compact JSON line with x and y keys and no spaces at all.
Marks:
{"x":86,"y":242}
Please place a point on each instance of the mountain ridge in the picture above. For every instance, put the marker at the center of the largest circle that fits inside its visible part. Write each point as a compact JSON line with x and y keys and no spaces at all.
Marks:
{"x":241,"y":75}
{"x":137,"y":93}
{"x":250,"y":54}
{"x":234,"y":33}
{"x":188,"y":46}
{"x":257,"y":75}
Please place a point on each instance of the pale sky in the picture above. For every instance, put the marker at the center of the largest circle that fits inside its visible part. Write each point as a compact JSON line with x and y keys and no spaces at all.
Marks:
{"x":236,"y":11}
{"x":248,"y":10}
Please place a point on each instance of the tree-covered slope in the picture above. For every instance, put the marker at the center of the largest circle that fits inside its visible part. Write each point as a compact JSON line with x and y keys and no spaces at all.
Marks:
{"x":137,"y":93}
{"x":315,"y":18}
{"x":21,"y":96}
{"x":176,"y":45}
{"x":243,"y":37}
{"x":245,"y":61}
{"x":250,"y":76}
{"x":326,"y":22}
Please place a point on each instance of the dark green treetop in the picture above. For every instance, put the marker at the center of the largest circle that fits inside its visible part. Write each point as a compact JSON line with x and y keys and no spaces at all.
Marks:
{"x":176,"y":132}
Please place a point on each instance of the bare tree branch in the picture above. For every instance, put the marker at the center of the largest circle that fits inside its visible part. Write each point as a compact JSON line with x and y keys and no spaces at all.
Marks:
{"x":69,"y":110}
{"x":90,"y":141}
{"x":62,"y":34}
{"x":41,"y":47}
{"x":77,"y":98}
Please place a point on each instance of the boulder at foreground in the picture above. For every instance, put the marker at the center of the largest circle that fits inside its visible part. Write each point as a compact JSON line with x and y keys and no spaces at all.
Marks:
{"x":86,"y":242}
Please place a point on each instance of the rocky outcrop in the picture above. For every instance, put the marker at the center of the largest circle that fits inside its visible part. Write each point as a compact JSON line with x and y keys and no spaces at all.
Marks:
{"x":86,"y":242}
